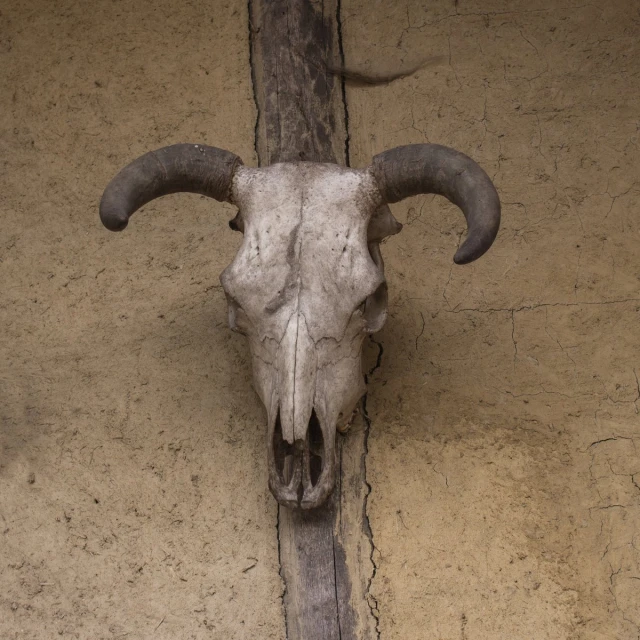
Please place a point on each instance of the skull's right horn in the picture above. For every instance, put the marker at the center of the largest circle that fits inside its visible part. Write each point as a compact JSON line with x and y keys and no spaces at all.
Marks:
{"x":430,"y":168}
{"x":194,"y":168}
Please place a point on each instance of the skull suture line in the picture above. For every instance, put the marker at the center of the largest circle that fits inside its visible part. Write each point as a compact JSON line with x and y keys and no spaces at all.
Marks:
{"x":307,"y":284}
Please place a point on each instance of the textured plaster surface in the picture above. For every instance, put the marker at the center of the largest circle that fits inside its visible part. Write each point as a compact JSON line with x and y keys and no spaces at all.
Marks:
{"x":504,"y":395}
{"x":504,"y":413}
{"x":133,"y":493}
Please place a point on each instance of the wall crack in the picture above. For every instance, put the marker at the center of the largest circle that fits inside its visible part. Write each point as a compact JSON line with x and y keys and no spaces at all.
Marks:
{"x":372,"y":601}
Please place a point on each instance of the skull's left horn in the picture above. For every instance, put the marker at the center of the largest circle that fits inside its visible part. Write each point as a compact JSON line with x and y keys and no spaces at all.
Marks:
{"x":194,"y":168}
{"x":430,"y":168}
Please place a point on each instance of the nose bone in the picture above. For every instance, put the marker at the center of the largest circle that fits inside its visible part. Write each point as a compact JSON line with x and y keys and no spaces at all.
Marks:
{"x":297,"y":366}
{"x":293,"y":483}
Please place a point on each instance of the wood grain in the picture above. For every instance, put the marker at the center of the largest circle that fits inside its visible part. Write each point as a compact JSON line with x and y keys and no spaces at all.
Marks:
{"x":301,"y":110}
{"x":325,"y":554}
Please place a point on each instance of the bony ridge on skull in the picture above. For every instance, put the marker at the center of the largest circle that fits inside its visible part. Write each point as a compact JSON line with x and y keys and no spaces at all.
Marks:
{"x":307,"y":284}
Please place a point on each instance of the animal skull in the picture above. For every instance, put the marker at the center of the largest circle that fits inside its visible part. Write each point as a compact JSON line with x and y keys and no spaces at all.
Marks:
{"x":307,"y":284}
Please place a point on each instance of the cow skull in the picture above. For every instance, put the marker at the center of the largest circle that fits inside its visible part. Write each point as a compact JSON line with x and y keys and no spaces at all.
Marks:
{"x":307,"y":284}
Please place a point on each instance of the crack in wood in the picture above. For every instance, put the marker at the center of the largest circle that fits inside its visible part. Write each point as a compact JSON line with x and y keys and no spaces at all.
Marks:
{"x":325,"y":555}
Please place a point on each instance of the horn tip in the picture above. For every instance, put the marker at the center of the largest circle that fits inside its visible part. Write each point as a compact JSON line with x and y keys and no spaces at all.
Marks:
{"x":458,"y":259}
{"x":114,"y":223}
{"x":466,"y":254}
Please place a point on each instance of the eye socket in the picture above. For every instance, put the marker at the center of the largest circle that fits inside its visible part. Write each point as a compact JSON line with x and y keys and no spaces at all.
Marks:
{"x":237,"y":223}
{"x":374,"y":309}
{"x":238,"y":319}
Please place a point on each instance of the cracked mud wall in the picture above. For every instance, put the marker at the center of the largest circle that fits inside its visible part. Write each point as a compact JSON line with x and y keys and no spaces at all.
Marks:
{"x":503,"y":450}
{"x":504,"y":413}
{"x":133,"y":494}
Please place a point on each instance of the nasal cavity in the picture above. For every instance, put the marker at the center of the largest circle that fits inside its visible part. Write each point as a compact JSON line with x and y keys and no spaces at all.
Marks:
{"x":315,"y":442}
{"x":283,"y":453}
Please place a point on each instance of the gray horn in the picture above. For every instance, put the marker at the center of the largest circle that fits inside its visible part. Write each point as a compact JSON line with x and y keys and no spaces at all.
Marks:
{"x":194,"y":168}
{"x":430,"y":168}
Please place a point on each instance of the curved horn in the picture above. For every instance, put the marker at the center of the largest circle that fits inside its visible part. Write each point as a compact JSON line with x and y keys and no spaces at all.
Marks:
{"x":195,"y":168}
{"x":431,"y":168}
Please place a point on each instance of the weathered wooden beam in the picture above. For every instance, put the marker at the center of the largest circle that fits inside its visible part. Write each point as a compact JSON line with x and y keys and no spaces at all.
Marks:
{"x":325,"y":554}
{"x":300,"y":105}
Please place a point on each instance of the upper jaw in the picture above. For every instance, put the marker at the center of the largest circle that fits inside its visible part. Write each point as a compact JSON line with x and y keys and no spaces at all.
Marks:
{"x":302,"y":474}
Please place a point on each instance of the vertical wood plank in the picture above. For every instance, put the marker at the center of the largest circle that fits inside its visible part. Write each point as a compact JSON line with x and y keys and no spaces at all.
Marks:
{"x":325,"y":554}
{"x":301,"y":111}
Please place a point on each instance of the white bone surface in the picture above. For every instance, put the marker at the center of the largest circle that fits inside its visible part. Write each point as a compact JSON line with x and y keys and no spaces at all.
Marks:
{"x":302,"y":289}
